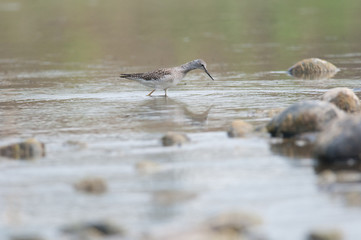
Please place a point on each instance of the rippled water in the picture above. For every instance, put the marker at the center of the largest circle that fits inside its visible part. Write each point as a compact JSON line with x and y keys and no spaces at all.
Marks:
{"x":97,"y":125}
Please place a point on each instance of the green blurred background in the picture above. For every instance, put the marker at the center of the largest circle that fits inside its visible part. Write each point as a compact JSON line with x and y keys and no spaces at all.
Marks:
{"x":156,"y":32}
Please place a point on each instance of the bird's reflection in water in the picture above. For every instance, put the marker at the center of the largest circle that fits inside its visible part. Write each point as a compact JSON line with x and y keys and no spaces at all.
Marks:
{"x":167,"y":112}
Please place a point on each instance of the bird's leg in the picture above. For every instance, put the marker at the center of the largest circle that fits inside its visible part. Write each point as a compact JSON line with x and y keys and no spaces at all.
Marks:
{"x":151,"y":92}
{"x":165,"y":92}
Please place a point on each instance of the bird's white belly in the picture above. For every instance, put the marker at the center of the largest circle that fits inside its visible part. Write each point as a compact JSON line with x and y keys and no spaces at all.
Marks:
{"x":162,"y":83}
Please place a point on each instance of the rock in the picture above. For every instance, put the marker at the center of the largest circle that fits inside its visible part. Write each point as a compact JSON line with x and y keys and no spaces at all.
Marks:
{"x":236,"y":221}
{"x":325,"y":234}
{"x":313,"y":68}
{"x":94,"y":229}
{"x":171,"y":139}
{"x":27,"y":150}
{"x":343,"y":98}
{"x":147,"y":166}
{"x":341,"y":141}
{"x":91,"y":185}
{"x":167,"y":197}
{"x":239,"y":128}
{"x":302,"y":117}
{"x":225,"y":226}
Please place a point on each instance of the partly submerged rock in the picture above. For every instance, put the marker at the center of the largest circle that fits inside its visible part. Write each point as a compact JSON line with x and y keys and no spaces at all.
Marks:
{"x":341,"y":141}
{"x":343,"y":98}
{"x":239,"y":128}
{"x":91,"y":185}
{"x":29,"y":149}
{"x":313,"y":68}
{"x":171,"y":139}
{"x":301,"y":117}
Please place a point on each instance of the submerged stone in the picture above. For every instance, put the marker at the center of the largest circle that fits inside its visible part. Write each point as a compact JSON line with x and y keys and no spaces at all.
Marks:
{"x":94,"y":229}
{"x":325,"y":234}
{"x":341,"y":141}
{"x":343,"y":98}
{"x":92,"y":185}
{"x":302,"y":117}
{"x":29,"y":149}
{"x":171,"y":139}
{"x":313,"y":68}
{"x":239,"y":128}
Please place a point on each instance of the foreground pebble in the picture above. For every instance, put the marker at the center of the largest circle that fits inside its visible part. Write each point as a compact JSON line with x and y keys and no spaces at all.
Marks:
{"x":302,"y":117}
{"x":239,"y":128}
{"x":325,"y":234}
{"x":341,"y":141}
{"x":171,"y":139}
{"x":93,"y":230}
{"x":235,"y":225}
{"x":313,"y":68}
{"x":343,"y":98}
{"x":27,"y":150}
{"x":91,"y":185}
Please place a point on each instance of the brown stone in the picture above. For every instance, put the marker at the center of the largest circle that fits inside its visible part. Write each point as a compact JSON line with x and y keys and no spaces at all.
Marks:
{"x":239,"y":128}
{"x":343,"y":98}
{"x":313,"y":68}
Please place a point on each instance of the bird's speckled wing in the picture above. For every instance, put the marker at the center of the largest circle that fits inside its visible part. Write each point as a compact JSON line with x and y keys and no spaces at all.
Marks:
{"x":155,"y":75}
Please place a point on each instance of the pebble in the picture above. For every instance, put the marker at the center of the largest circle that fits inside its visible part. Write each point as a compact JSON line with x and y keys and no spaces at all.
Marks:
{"x":239,"y":128}
{"x":91,"y":185}
{"x":171,"y":139}
{"x":325,"y":234}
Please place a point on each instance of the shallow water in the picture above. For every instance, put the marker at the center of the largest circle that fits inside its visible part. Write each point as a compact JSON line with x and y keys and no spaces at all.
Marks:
{"x":59,"y":82}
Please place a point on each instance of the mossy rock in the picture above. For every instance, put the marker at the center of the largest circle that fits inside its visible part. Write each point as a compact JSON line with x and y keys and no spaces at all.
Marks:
{"x":341,"y":141}
{"x":302,"y":117}
{"x":343,"y":98}
{"x":313,"y":68}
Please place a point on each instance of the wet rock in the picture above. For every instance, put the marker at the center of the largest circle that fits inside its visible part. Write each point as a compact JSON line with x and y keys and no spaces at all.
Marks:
{"x":91,"y":185}
{"x":341,"y":141}
{"x":303,"y":117}
{"x":27,"y":150}
{"x":147,"y":166}
{"x":325,"y":234}
{"x":239,"y":128}
{"x":236,"y":221}
{"x":171,"y":139}
{"x":94,"y":230}
{"x":343,"y":98}
{"x":313,"y":68}
{"x":172,"y":196}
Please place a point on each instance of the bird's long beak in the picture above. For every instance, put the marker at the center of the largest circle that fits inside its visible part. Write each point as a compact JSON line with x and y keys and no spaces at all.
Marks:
{"x":205,"y":69}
